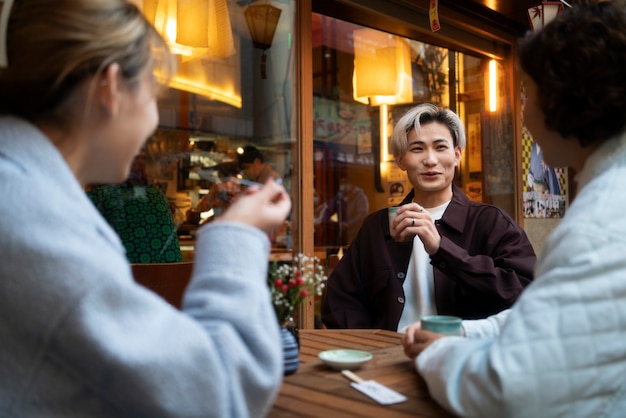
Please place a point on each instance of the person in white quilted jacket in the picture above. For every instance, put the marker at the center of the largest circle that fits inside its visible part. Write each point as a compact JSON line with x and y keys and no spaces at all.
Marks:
{"x":561,"y":352}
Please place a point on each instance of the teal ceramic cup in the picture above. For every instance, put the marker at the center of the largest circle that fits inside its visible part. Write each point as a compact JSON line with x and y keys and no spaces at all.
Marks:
{"x":443,"y":324}
{"x":392,"y":212}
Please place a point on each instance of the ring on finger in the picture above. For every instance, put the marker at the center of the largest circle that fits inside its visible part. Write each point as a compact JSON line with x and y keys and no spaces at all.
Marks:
{"x":412,"y":221}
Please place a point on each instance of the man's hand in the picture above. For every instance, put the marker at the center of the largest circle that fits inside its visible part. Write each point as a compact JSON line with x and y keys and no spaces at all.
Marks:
{"x":413,"y":220}
{"x":416,"y":340}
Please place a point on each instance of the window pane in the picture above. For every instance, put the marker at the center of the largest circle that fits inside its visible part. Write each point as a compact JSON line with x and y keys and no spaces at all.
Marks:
{"x":229,"y":92}
{"x":363,"y":81}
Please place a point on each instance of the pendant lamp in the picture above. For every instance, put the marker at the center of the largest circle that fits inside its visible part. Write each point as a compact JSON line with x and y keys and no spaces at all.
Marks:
{"x":262,"y":20}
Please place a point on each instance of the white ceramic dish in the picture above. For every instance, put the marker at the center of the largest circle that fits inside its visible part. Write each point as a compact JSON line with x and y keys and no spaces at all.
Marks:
{"x":345,"y":359}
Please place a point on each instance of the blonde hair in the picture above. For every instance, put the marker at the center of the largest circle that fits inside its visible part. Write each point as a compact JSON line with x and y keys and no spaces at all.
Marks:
{"x":420,"y":115}
{"x":53,"y":45}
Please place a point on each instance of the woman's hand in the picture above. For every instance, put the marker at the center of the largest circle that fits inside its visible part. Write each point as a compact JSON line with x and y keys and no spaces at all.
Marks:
{"x":264,"y":207}
{"x":413,"y":220}
{"x":416,"y":340}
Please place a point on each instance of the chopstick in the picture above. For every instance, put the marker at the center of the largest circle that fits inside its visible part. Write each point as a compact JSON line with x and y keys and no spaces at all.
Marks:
{"x":352,"y":376}
{"x":248,"y":183}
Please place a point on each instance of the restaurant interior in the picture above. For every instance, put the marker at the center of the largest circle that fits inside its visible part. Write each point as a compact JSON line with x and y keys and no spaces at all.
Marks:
{"x":316,"y":87}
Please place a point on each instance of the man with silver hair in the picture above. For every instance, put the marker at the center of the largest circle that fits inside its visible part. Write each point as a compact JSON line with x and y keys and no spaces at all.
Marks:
{"x":443,"y":254}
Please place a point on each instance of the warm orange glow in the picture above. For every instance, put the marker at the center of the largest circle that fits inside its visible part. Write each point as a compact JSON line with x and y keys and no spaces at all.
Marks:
{"x":213,"y":92}
{"x":205,"y":44}
{"x":382,"y":68}
{"x":384,"y":133}
{"x":382,"y":76}
{"x":215,"y":79}
{"x":207,"y":26}
{"x":195,"y":15}
{"x":493,"y":82}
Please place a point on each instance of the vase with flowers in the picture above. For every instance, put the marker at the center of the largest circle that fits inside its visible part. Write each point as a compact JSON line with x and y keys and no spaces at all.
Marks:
{"x":290,"y":285}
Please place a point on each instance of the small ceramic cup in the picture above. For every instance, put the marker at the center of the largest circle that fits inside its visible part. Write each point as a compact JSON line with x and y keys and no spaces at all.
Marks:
{"x":443,"y":324}
{"x":392,"y":212}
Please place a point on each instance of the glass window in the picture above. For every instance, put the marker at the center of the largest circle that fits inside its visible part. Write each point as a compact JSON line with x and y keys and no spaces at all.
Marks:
{"x":363,"y":81}
{"x":231,"y":91}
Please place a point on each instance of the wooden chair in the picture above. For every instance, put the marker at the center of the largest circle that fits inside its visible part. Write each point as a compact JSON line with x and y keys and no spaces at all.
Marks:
{"x":168,"y":280}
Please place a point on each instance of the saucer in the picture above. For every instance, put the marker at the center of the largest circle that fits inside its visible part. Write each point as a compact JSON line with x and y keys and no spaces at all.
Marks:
{"x":345,"y":359}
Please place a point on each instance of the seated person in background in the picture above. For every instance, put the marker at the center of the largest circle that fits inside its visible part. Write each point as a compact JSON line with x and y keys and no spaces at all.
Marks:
{"x":141,"y":215}
{"x":253,"y":165}
{"x":562,"y":350}
{"x":221,"y":193}
{"x":445,"y":255}
{"x":348,"y":209}
{"x":79,"y":337}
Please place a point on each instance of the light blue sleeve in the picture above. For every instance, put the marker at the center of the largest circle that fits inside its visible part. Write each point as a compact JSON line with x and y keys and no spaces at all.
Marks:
{"x":456,"y":373}
{"x":220,"y":357}
{"x":487,"y":327}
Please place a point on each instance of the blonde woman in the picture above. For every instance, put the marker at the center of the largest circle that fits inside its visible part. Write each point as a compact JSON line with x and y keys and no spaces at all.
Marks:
{"x":79,"y":338}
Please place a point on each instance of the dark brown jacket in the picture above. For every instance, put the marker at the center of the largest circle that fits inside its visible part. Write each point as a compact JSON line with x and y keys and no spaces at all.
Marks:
{"x":484,"y":262}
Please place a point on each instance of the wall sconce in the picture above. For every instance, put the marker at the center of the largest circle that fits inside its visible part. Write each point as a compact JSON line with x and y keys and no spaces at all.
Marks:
{"x":382,"y":68}
{"x":262,"y":20}
{"x":543,"y":13}
{"x":382,"y":76}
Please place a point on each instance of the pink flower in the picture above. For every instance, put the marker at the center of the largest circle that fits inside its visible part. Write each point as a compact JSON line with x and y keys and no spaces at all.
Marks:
{"x":304,"y":293}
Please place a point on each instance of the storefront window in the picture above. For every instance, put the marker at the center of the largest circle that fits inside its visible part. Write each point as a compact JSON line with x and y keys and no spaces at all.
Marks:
{"x":363,"y":81}
{"x":230,"y":92}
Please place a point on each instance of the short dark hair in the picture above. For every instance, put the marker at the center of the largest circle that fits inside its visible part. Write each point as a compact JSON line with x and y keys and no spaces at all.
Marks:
{"x":577,"y":62}
{"x":249,"y":154}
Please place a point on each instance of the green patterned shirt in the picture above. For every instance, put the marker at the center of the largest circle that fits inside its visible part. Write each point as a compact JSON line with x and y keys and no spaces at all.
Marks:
{"x":141,"y":216}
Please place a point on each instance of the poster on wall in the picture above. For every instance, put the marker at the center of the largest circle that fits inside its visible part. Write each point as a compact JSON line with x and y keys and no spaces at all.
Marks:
{"x":398,"y":185}
{"x":545,"y":187}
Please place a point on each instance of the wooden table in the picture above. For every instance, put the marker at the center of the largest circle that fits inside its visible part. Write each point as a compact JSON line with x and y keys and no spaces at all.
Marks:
{"x":315,"y":390}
